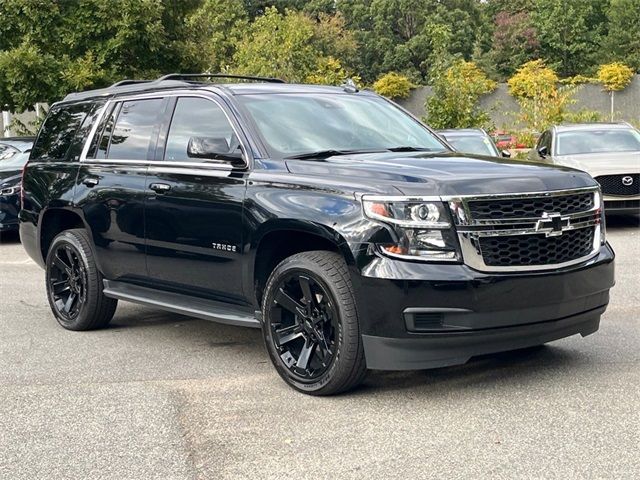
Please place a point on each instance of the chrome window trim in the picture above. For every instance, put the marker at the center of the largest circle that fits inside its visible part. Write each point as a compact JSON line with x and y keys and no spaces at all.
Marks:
{"x":246,"y":156}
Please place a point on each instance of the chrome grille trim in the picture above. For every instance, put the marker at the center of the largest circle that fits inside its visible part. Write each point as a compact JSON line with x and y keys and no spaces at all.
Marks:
{"x":550,"y":224}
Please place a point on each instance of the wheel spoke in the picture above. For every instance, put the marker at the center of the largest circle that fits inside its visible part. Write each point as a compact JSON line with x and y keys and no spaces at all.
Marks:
{"x":287,"y":338}
{"x":305,"y":355}
{"x":305,"y":285}
{"x":58,"y":262}
{"x":69,"y":303}
{"x":70,"y":258}
{"x":288,"y":303}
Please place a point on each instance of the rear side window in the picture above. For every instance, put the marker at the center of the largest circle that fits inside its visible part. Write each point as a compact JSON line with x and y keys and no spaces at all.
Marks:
{"x":135,"y":130}
{"x":59,"y":130}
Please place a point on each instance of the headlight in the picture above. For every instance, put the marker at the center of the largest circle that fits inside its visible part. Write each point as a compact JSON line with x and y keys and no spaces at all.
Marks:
{"x":422,"y":228}
{"x":603,"y":224}
{"x":6,"y":191}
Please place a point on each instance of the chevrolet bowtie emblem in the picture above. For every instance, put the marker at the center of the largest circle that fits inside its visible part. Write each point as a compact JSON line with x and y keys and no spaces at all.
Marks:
{"x":551,"y":224}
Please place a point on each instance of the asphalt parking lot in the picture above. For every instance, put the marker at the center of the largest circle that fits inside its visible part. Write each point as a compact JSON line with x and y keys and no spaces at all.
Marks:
{"x":158,"y":395}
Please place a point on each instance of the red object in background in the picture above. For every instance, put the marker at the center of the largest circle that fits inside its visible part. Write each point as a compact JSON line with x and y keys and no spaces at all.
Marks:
{"x":505,"y":140}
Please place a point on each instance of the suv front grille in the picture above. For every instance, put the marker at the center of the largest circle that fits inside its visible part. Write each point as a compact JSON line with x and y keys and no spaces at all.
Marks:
{"x":532,"y":207}
{"x":615,"y":184}
{"x":519,"y":250}
{"x":530,"y":231}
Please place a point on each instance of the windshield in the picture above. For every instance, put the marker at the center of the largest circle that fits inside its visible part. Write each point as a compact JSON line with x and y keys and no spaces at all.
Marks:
{"x":297,"y":124}
{"x":597,"y":141}
{"x":473,"y":144}
{"x":15,"y":161}
{"x":7,"y":151}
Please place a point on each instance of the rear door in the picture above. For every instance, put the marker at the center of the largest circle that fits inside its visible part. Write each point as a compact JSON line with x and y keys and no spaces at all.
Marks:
{"x":111,"y":184}
{"x":194,"y":209}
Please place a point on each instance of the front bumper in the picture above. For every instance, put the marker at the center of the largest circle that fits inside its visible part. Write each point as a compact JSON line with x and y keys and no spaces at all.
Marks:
{"x":621,"y":205}
{"x":470,"y":313}
{"x":9,"y":208}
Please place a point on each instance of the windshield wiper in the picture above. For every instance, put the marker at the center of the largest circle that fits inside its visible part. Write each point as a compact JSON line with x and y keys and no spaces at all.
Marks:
{"x":412,"y":149}
{"x":329,"y":153}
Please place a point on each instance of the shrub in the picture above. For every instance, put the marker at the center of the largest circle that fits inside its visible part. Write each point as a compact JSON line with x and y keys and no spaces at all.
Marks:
{"x":454,"y":103}
{"x":393,"y":85}
{"x":535,"y":88}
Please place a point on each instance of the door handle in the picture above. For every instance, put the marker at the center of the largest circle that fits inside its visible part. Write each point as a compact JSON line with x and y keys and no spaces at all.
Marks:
{"x":91,"y":181}
{"x":160,"y":187}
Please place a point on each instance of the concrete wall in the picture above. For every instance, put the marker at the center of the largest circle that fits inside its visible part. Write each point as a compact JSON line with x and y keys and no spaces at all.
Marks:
{"x":503,"y":109}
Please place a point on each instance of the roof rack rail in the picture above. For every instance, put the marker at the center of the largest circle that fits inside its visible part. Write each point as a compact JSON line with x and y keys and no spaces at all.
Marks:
{"x":180,"y":76}
{"x":128,"y":82}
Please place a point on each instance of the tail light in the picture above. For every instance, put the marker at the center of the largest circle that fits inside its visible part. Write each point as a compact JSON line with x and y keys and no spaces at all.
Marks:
{"x":24,"y":170}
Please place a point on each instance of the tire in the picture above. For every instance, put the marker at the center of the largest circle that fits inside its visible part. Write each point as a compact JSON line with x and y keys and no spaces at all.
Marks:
{"x":314,"y":345}
{"x":71,"y":270}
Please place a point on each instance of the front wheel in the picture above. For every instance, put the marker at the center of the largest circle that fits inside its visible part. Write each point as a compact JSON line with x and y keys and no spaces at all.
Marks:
{"x":311,"y":326}
{"x":74,"y":284}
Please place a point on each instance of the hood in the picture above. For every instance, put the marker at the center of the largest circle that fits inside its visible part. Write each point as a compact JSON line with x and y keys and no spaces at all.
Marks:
{"x":10,"y":177}
{"x":602,"y":163}
{"x":442,"y":173}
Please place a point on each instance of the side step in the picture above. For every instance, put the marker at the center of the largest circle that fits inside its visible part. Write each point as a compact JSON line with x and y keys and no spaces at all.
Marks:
{"x":182,"y":304}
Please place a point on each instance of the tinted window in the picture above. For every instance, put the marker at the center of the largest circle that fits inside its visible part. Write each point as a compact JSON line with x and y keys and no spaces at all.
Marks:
{"x":473,"y":144}
{"x":293,"y":124}
{"x":597,"y":141}
{"x":81,"y":135}
{"x":135,"y":129}
{"x":196,"y":117}
{"x":58,"y":131}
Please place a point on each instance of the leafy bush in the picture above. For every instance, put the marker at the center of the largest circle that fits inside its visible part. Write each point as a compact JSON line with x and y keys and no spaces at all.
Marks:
{"x":454,"y":103}
{"x":615,"y":76}
{"x":393,"y":85}
{"x":542,"y":102}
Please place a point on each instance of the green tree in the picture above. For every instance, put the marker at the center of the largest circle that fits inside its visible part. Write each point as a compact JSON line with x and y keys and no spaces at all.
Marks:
{"x":291,"y":46}
{"x":49,"y":48}
{"x":623,"y":40}
{"x":454,"y":102}
{"x":570,"y":32}
{"x":212,"y":32}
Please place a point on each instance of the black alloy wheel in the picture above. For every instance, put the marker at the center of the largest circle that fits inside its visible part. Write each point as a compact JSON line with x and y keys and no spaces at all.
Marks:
{"x":310,"y":324}
{"x":303,"y":325}
{"x":67,"y":281}
{"x":74,"y":283}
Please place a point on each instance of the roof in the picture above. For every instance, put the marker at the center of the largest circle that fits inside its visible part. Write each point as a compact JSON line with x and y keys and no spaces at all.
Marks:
{"x":453,"y":132}
{"x":591,"y":126}
{"x":130,"y":86}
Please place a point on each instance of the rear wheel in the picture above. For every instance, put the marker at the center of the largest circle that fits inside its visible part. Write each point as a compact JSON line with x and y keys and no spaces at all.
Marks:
{"x":74,"y":284}
{"x":311,"y":326}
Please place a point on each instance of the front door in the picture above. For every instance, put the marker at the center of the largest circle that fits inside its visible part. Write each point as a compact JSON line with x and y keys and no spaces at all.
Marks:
{"x":194,"y":213}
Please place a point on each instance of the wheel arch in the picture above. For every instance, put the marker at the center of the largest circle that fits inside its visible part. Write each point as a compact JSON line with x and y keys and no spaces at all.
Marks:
{"x":281,"y":239}
{"x":52,"y":222}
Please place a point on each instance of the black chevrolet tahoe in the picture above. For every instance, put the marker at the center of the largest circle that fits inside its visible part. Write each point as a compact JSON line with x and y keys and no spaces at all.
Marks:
{"x":330,"y":218}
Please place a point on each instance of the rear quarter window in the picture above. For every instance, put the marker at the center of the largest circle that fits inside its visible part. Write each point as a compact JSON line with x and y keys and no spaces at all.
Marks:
{"x":58,"y":132}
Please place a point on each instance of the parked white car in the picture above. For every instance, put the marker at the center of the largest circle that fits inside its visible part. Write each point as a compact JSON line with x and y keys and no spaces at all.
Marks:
{"x":609,"y":152}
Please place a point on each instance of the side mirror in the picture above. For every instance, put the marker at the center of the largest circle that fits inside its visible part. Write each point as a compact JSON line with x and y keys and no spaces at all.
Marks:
{"x":212,"y":148}
{"x":505,"y":153}
{"x":543,"y":151}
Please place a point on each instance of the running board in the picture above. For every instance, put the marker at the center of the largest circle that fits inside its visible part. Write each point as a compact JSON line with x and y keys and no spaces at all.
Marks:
{"x":182,"y":304}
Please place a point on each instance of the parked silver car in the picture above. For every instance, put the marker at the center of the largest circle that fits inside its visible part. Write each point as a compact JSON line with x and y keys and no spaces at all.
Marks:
{"x":609,"y":152}
{"x":472,"y":140}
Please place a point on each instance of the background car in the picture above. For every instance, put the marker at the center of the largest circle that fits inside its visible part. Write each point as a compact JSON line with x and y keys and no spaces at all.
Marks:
{"x":11,"y":146}
{"x":14,"y":155}
{"x":505,"y":140}
{"x":472,"y":140}
{"x":609,"y":152}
